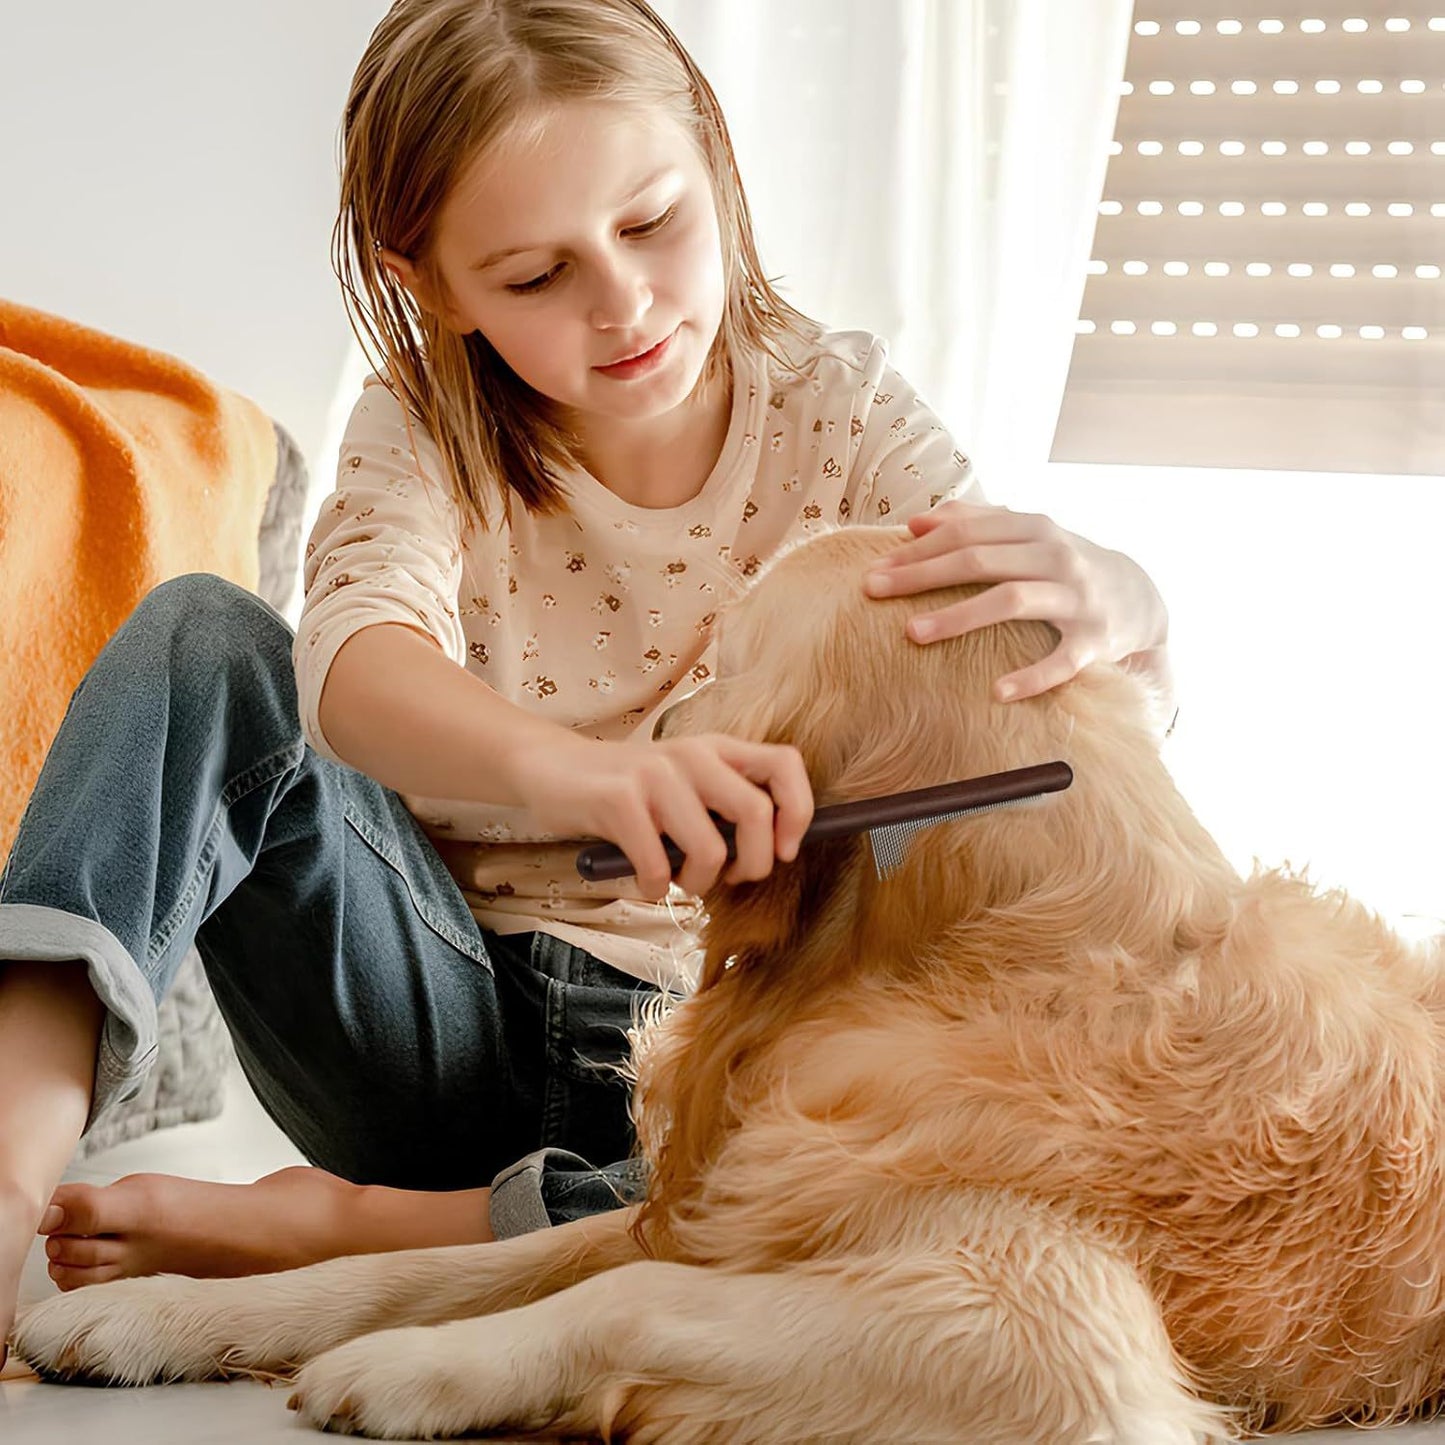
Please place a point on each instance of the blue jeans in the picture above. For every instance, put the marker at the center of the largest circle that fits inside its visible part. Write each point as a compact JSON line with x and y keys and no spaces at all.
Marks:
{"x":392,"y":1039}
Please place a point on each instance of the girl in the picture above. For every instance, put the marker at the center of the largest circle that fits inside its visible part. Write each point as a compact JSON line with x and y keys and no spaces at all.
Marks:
{"x":594,"y":421}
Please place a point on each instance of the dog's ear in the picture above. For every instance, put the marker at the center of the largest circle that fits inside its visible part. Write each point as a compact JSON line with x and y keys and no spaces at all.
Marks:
{"x":766,"y":924}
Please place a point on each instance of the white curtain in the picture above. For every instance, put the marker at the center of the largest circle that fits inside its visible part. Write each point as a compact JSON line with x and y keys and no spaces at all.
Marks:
{"x":929,"y":170}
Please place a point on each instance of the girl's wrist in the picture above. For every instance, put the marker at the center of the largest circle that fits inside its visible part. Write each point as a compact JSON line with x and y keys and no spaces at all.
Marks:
{"x":531,"y":752}
{"x":534,"y":754}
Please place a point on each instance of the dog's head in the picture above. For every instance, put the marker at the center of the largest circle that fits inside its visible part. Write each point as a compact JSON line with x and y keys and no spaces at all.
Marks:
{"x":806,"y":658}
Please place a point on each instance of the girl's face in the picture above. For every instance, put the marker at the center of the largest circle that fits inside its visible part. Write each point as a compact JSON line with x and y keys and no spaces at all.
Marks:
{"x":588,"y":255}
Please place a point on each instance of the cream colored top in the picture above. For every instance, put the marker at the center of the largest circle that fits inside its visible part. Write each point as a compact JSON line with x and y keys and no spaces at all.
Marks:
{"x":600,"y":617}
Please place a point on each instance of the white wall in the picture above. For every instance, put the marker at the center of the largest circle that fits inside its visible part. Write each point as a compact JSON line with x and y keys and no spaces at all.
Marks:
{"x":168,"y":174}
{"x":1305,"y":633}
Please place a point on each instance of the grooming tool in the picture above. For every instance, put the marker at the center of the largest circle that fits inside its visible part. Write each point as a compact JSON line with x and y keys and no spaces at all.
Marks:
{"x":890,"y":820}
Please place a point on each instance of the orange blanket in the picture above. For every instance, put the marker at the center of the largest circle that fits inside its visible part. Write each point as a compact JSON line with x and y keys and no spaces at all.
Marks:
{"x":119,"y":468}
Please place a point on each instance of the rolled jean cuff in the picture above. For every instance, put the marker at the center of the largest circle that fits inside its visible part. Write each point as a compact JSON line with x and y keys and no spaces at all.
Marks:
{"x":30,"y":933}
{"x":555,"y":1186}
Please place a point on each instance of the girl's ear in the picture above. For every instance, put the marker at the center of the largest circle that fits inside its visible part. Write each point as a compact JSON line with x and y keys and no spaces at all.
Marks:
{"x":406,"y":274}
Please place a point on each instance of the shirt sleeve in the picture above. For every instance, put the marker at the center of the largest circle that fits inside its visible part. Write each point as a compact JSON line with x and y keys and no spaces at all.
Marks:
{"x":907,"y":460}
{"x":386,"y":547}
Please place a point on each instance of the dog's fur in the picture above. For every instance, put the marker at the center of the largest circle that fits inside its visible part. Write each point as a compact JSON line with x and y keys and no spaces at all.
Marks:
{"x":1063,"y":1133}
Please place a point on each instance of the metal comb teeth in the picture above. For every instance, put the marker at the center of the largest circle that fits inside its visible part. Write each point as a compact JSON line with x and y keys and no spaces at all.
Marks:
{"x":890,"y":843}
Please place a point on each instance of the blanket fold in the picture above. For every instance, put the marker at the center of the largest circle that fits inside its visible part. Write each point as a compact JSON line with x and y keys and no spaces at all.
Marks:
{"x":120,"y":467}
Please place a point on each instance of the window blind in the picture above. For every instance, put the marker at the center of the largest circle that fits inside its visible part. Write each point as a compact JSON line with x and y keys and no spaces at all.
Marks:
{"x":1266,"y":282}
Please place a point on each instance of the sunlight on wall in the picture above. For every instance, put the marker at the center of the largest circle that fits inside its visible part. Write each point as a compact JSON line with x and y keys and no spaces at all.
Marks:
{"x":1305,"y":626}
{"x":354,"y":372}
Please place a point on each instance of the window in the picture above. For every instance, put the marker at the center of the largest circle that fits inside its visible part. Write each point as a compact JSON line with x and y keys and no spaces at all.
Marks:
{"x":1266,"y":285}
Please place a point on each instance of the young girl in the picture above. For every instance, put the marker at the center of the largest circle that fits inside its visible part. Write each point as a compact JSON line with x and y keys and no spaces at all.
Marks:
{"x":594,"y":421}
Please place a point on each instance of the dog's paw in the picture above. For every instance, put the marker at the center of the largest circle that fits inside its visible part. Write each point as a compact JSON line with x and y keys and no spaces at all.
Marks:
{"x":129,"y":1332}
{"x":428,"y":1382}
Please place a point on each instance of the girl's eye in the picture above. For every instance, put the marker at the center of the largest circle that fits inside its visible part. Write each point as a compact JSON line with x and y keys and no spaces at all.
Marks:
{"x":542,"y":282}
{"x":647,"y":228}
{"x":537,"y":283}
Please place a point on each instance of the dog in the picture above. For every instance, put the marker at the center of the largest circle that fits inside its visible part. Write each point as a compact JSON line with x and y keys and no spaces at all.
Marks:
{"x":1063,"y":1132}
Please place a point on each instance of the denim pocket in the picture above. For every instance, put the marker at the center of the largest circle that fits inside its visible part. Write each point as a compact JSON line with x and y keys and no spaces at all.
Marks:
{"x":590,"y":1007}
{"x":398,"y":840}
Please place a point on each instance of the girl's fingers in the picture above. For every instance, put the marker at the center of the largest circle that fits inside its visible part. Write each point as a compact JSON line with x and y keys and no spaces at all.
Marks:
{"x":781,"y":770}
{"x":761,"y":788}
{"x":750,"y":810}
{"x":1003,"y":602}
{"x":679,"y":811}
{"x":985,"y":563}
{"x":67,"y":1279}
{"x":948,"y":530}
{"x":793,"y":792}
{"x":1037,"y":571}
{"x":83,"y":1253}
{"x":923,"y":522}
{"x":1063,"y":663}
{"x":635,"y":831}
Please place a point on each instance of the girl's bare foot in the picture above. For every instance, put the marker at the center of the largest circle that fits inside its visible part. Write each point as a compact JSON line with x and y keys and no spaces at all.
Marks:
{"x":165,"y":1224}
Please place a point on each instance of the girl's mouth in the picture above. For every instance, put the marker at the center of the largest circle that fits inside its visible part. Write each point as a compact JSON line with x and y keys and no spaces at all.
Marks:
{"x":638,"y":365}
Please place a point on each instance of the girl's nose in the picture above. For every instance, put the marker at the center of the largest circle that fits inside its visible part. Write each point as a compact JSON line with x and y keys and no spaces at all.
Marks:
{"x":621,"y":297}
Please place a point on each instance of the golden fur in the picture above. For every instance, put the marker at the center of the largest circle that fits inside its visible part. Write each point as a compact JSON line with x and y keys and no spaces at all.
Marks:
{"x":1237,"y":1082}
{"x":1063,"y":1133}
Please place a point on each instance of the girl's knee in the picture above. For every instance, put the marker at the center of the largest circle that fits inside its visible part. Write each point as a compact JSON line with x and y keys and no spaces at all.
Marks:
{"x":208,"y":608}
{"x":198,"y":627}
{"x":196,"y":599}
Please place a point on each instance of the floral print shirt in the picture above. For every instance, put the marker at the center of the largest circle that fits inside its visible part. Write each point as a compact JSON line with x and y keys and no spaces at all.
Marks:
{"x":600,"y":617}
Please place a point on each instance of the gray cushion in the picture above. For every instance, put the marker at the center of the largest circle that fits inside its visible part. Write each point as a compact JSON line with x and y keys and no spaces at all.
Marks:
{"x":188,"y":1083}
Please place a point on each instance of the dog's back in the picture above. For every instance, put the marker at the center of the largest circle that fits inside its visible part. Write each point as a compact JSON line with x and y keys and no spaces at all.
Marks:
{"x":1235,"y":1083}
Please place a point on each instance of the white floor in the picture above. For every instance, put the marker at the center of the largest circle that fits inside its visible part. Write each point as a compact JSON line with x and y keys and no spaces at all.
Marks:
{"x":239,"y":1146}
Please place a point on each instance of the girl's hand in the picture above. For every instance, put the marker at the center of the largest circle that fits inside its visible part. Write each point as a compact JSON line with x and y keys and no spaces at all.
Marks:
{"x":631,"y":794}
{"x":1102,"y":603}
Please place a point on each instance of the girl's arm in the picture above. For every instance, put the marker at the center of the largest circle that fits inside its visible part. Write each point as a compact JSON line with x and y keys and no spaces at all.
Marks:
{"x":383,"y":685}
{"x":394,"y":706}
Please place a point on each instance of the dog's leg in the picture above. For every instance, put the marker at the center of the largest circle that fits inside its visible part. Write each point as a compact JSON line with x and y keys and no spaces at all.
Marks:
{"x":168,"y":1327}
{"x":1012,"y":1333}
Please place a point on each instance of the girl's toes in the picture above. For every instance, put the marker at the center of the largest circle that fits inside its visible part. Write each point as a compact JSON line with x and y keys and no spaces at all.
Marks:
{"x":67,"y":1279}
{"x":130,"y":1203}
{"x":81,"y":1206}
{"x":77,"y":1253}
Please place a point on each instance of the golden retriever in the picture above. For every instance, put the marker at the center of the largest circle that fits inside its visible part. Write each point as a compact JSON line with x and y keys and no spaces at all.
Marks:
{"x":1062,"y":1133}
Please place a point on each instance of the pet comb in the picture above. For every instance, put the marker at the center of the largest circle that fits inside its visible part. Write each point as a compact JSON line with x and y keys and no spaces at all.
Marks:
{"x":890,"y":820}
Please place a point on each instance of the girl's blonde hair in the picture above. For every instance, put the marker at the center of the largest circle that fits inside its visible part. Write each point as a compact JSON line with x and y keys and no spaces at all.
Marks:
{"x":440,"y":80}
